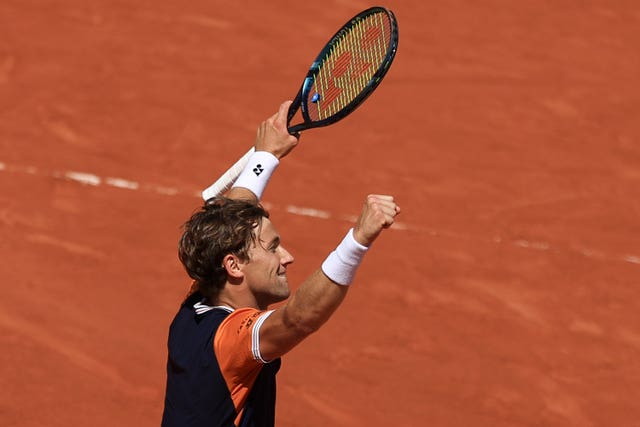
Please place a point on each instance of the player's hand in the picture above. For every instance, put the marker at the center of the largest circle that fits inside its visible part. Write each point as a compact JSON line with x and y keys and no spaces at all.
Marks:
{"x":378,"y":213}
{"x":273,"y":135}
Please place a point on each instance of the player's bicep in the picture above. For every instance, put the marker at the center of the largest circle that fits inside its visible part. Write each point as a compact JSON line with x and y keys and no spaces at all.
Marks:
{"x":304,"y":313}
{"x":279,"y":333}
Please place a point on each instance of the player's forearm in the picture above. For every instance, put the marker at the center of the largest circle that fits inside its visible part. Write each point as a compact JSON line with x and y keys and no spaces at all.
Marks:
{"x":319,"y":296}
{"x":314,"y":302}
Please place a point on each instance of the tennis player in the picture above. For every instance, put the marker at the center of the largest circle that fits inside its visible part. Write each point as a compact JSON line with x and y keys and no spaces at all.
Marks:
{"x":225,"y":343}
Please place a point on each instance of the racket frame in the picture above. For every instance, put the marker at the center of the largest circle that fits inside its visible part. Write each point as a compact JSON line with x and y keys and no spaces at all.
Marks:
{"x":300,"y":100}
{"x":226,"y":181}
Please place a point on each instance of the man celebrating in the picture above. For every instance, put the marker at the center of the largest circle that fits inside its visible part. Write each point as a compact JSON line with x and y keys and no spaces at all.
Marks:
{"x":224,"y":343}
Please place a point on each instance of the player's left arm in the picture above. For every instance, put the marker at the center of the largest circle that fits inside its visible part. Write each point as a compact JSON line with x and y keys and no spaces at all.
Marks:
{"x":324,"y":290}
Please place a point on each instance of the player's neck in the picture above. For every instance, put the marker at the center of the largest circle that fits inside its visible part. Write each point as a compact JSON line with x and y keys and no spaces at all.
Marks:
{"x":236,"y":297}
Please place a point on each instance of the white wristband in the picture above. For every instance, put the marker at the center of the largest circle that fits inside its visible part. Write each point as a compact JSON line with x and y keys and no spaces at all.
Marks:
{"x":257,"y":172}
{"x":341,"y":264}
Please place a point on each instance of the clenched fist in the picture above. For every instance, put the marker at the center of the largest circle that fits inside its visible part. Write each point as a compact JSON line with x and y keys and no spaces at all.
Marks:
{"x":379,"y":212}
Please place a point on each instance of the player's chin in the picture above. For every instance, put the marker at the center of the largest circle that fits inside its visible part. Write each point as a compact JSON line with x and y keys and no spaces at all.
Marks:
{"x":285,"y":295}
{"x":283,"y":289}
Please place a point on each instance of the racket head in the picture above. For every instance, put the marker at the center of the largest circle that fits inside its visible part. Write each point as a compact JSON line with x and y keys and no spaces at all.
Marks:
{"x":347,"y":70}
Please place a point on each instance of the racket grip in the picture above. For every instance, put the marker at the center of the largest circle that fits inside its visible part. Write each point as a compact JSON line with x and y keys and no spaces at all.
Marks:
{"x":228,"y":178}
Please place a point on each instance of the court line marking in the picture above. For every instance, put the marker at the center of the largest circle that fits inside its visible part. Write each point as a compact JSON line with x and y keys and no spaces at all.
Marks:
{"x":93,"y":180}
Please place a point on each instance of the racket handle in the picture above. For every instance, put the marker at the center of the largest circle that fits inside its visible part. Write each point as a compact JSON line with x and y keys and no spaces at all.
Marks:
{"x":228,"y":178}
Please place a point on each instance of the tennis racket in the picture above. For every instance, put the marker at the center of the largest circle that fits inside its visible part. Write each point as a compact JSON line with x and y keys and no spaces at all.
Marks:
{"x":347,"y":70}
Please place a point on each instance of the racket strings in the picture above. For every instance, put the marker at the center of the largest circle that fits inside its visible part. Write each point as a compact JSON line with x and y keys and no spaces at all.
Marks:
{"x":351,"y":53}
{"x":350,"y":65}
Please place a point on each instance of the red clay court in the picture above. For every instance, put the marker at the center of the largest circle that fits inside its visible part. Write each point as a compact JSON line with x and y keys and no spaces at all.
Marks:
{"x":508,"y":295}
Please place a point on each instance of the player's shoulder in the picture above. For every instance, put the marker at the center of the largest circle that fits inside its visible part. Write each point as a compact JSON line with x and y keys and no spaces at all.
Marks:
{"x":243,"y":318}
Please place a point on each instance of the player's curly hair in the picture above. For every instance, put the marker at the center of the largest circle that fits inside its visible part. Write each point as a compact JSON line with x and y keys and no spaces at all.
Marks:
{"x":222,"y":226}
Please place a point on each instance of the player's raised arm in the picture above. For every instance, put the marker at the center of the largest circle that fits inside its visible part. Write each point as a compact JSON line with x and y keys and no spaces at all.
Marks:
{"x":319,"y":296}
{"x":328,"y":94}
{"x":273,"y":142}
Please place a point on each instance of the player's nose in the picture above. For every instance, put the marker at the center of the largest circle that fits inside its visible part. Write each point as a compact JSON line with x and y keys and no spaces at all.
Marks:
{"x":285,"y":256}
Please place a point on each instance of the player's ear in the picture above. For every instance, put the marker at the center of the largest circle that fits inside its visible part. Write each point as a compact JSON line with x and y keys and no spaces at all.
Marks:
{"x":233,"y":266}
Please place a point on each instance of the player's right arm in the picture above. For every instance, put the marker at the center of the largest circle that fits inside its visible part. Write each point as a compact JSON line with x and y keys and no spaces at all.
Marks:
{"x":322,"y":292}
{"x":272,"y":137}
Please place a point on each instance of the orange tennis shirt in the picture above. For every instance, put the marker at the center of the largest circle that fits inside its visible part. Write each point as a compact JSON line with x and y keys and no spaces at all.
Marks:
{"x":237,"y":349}
{"x":216,"y":375}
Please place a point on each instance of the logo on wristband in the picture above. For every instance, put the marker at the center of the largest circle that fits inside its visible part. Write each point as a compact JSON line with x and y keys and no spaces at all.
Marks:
{"x":258,"y":169}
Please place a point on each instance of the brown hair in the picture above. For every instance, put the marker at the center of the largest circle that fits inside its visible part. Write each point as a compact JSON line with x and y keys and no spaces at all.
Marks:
{"x":222,"y":226}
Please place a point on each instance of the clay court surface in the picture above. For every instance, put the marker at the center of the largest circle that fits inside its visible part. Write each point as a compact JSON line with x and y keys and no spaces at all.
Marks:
{"x":508,"y":295}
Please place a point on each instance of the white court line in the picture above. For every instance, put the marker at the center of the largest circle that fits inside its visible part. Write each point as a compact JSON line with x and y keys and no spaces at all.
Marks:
{"x":83,"y":178}
{"x":632,"y":259}
{"x":316,"y":213}
{"x":122,"y":183}
{"x":93,"y":180}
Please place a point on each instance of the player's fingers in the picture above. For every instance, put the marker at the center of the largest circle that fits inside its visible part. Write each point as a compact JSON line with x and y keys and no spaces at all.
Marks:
{"x":280,"y":118}
{"x":379,"y":218}
{"x":377,"y":197}
{"x":385,"y":203}
{"x":274,"y":119}
{"x":387,"y":215}
{"x":389,"y":211}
